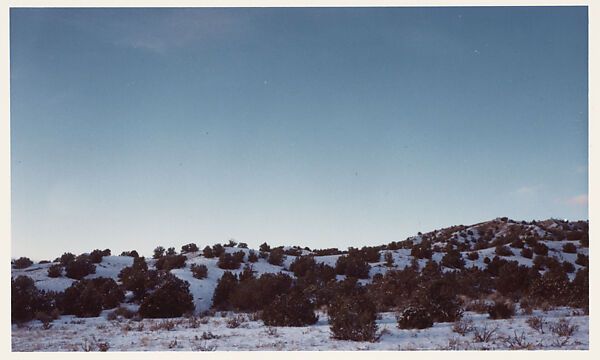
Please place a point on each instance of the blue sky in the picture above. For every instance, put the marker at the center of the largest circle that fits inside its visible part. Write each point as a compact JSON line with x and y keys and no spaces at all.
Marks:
{"x":319,"y":127}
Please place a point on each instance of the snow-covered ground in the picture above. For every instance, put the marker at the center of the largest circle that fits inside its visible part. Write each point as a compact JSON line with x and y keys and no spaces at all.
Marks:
{"x":213,"y":333}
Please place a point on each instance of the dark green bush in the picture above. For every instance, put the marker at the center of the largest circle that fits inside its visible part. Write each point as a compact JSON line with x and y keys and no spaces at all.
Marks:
{"x":191,"y":247}
{"x":540,"y":249}
{"x":276,"y":257}
{"x":138,"y":279}
{"x":55,"y":271}
{"x":582,"y":260}
{"x":169,"y":262}
{"x":207,"y":252}
{"x":353,"y":317}
{"x":87,"y":297}
{"x":22,"y":263}
{"x":289,"y":310}
{"x":414,"y":317}
{"x":159,"y":252}
{"x":264,"y":247}
{"x":453,"y":259}
{"x":474,"y":255}
{"x":569,"y":248}
{"x":217,"y":250}
{"x":226,"y":284}
{"x":66,"y":258}
{"x":503,"y":250}
{"x":228,"y":261}
{"x":527,"y":253}
{"x":132,"y":253}
{"x":252,"y":256}
{"x":96,"y":256}
{"x":199,"y":271}
{"x":79,"y":268}
{"x":26,"y":300}
{"x":172,"y":298}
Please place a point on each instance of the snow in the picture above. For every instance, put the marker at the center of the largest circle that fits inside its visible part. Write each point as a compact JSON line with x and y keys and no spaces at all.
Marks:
{"x":72,"y":334}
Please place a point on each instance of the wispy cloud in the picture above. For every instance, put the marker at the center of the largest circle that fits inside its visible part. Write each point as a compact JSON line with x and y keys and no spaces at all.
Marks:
{"x":579,"y":200}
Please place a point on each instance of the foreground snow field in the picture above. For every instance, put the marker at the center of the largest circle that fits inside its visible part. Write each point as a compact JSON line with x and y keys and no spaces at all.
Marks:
{"x":217,"y":333}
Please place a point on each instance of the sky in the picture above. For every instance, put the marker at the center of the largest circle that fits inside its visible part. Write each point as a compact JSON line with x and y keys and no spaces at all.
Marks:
{"x":318,"y":127}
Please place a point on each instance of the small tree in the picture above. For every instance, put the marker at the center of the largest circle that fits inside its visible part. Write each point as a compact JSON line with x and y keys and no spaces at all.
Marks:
{"x":353,"y":317}
{"x":171,"y":251}
{"x":159,"y":252}
{"x":191,"y":247}
{"x":96,"y":256}
{"x":207,"y":252}
{"x":22,"y":263}
{"x":171,"y":299}
{"x":264,"y":247}
{"x":252,"y":256}
{"x":79,"y":268}
{"x":276,"y":257}
{"x":289,"y":310}
{"x":199,"y":271}
{"x":569,"y":248}
{"x":527,"y":253}
{"x":55,"y":271}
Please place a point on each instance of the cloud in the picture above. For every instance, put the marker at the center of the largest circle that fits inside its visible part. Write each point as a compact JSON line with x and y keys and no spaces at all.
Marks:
{"x":578,"y":200}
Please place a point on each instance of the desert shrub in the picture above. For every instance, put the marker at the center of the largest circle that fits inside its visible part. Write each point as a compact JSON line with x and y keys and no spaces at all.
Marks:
{"x":217,"y":250}
{"x":263,"y":254}
{"x":231,"y":243}
{"x":264,"y":247}
{"x":96,"y":256}
{"x":414,"y":317}
{"x":228,"y":261}
{"x":582,"y":260}
{"x":132,"y":253}
{"x":138,"y":279}
{"x":22,"y":263}
{"x":439,"y":298}
{"x":503,"y":250}
{"x":79,"y":268}
{"x":242,"y":245}
{"x":540,"y":249}
{"x":370,"y":254}
{"x":252,"y":256}
{"x":517,"y":243}
{"x":106,"y":252}
{"x":501,"y":309}
{"x":527,"y":253}
{"x":580,"y":289}
{"x":159,"y":252}
{"x":289,"y":310}
{"x":327,"y":252}
{"x":486,"y":260}
{"x":353,"y":265}
{"x":474,"y":255}
{"x":225,"y":286}
{"x":453,"y":259}
{"x":302,"y":264}
{"x":463,"y":326}
{"x":569,"y":248}
{"x":537,"y":323}
{"x":55,"y":271}
{"x":563,"y":327}
{"x":253,"y":294}
{"x":171,"y":251}
{"x":169,"y":262}
{"x":44,"y":262}
{"x":26,"y":299}
{"x":87,"y":297}
{"x":276,"y":257}
{"x":353,"y":317}
{"x":188,"y":248}
{"x":66,"y":258}
{"x":199,"y":271}
{"x":172,"y":298}
{"x":207,"y":252}
{"x":552,"y":287}
{"x":421,"y":251}
{"x":540,"y":261}
{"x":512,"y":278}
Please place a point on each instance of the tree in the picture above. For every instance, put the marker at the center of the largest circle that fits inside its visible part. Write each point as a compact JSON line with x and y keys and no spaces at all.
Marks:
{"x":171,"y":299}
{"x":96,"y":256}
{"x":191,"y":247}
{"x":159,"y":252}
{"x":353,"y":317}
{"x":199,"y":271}
{"x":22,"y":263}
{"x":276,"y":257}
{"x":79,"y":268}
{"x":264,"y":247}
{"x":207,"y":252}
{"x":289,"y":310}
{"x":225,"y":286}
